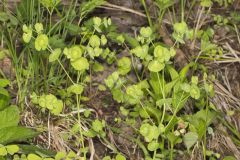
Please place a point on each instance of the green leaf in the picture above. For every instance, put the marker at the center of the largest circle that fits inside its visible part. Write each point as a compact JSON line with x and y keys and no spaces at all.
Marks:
{"x":3,"y":53}
{"x":206,"y":3}
{"x":97,"y":21}
{"x":111,"y":80}
{"x":120,"y":39}
{"x":173,"y":138}
{"x":3,"y":151}
{"x":124,"y":65}
{"x":194,"y":80}
{"x":27,"y":35}
{"x":120,"y":157}
{"x":190,"y":139}
{"x":38,"y":27}
{"x":140,"y":51}
{"x":4,"y":82}
{"x":60,"y":155}
{"x":229,"y":158}
{"x":169,"y":86}
{"x":195,"y":91}
{"x":149,"y":132}
{"x":118,"y":95}
{"x":9,"y":117}
{"x":27,"y":149}
{"x":207,"y":117}
{"x":4,"y":16}
{"x":55,"y":55}
{"x":41,"y":42}
{"x":12,"y":149}
{"x":103,"y":40}
{"x":131,"y":41}
{"x":172,"y":52}
{"x":13,"y":134}
{"x":80,"y":64}
{"x":56,"y":41}
{"x":94,"y":41}
{"x":144,"y":129}
{"x":107,"y":158}
{"x":153,"y":146}
{"x":4,"y":98}
{"x":88,"y":6}
{"x":50,"y":3}
{"x":73,"y":53}
{"x":47,"y":101}
{"x":134,"y":94}
{"x":180,"y":28}
{"x":184,"y":71}
{"x":98,"y":67}
{"x":162,"y":54}
{"x":186,"y":87}
{"x":155,"y":66}
{"x":33,"y":157}
{"x":57,"y":107}
{"x":146,"y":32}
{"x":76,"y":89}
{"x":90,"y":133}
{"x":97,"y":125}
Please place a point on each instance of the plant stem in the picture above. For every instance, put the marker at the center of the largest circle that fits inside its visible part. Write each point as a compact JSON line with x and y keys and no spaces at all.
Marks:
{"x":147,"y":13}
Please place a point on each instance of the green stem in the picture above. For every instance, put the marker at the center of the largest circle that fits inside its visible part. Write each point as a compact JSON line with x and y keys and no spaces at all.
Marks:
{"x":163,"y":94}
{"x":147,"y":13}
{"x":65,"y":71}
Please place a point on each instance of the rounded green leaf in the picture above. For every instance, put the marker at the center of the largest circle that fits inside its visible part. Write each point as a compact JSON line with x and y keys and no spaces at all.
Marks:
{"x":33,"y":157}
{"x":3,"y":151}
{"x":97,"y":21}
{"x":140,"y":51}
{"x":144,"y":129}
{"x":27,"y":37}
{"x":111,"y":79}
{"x":97,"y":125}
{"x":94,"y":41}
{"x":124,"y":65}
{"x":134,"y":94}
{"x":155,"y":66}
{"x":120,"y":39}
{"x":194,"y":80}
{"x":107,"y":158}
{"x":38,"y":27}
{"x":60,"y":155}
{"x":153,"y":146}
{"x":120,"y":157}
{"x":181,"y":27}
{"x":162,"y":53}
{"x":80,"y":64}
{"x":76,"y":89}
{"x":25,"y":28}
{"x":12,"y":149}
{"x":146,"y":32}
{"x":57,"y":107}
{"x":97,"y":51}
{"x":73,"y":53}
{"x":55,"y":55}
{"x":41,"y":42}
{"x":172,"y":52}
{"x":194,"y":91}
{"x":190,"y":139}
{"x":103,"y":40}
{"x":185,"y":87}
{"x":98,"y":67}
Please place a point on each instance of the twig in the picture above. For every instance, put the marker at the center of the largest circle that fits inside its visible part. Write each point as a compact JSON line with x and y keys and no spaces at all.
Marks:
{"x":124,"y":9}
